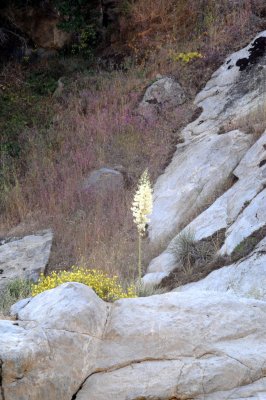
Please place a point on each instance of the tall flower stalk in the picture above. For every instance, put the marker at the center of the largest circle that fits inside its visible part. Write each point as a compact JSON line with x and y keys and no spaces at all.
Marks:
{"x":141,"y":209}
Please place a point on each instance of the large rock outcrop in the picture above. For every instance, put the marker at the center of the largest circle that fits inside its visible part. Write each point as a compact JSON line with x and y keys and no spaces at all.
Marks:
{"x":241,"y":211}
{"x":211,"y":149}
{"x":54,"y":346}
{"x":68,"y":344}
{"x":220,"y":167}
{"x":40,"y":24}
{"x":25,"y":257}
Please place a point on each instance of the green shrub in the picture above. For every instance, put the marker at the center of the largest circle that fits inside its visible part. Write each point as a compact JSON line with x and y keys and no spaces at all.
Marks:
{"x":81,"y":20}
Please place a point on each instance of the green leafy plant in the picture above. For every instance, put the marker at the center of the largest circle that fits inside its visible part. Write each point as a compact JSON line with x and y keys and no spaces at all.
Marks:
{"x":79,"y":18}
{"x":86,"y":42}
{"x":141,"y":208}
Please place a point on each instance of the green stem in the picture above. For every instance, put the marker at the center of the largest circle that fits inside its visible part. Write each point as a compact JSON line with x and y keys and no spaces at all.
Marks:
{"x":139,"y":263}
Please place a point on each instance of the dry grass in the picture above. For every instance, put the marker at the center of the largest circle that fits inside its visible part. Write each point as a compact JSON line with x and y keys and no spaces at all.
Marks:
{"x":196,"y":259}
{"x":253,"y":122}
{"x":95,"y":125}
{"x":152,"y":29}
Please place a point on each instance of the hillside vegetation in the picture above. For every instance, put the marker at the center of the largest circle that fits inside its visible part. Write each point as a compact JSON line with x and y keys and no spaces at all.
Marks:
{"x":63,"y":117}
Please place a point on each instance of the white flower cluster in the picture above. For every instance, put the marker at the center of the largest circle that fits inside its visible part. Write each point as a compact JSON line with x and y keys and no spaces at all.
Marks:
{"x":142,"y":203}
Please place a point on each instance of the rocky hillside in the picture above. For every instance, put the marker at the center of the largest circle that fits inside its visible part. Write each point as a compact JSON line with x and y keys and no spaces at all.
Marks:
{"x":219,"y":168}
{"x":115,"y":98}
{"x":204,"y":339}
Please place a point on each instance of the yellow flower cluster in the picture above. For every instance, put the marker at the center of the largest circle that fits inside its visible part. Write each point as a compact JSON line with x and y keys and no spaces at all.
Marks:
{"x":106,"y":287}
{"x":185,"y":57}
{"x":142,"y":203}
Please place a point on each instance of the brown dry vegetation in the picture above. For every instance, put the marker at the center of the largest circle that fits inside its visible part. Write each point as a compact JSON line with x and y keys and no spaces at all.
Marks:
{"x":197,"y":259}
{"x":93,"y":123}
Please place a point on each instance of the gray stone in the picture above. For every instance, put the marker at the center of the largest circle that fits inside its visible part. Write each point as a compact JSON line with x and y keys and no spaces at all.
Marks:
{"x":51,"y":349}
{"x":104,"y":181}
{"x":25,"y":257}
{"x":15,"y":308}
{"x":203,"y":166}
{"x":164,"y":93}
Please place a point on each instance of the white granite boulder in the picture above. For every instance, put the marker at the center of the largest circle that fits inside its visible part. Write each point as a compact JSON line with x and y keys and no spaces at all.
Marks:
{"x":211,"y":150}
{"x":68,"y":344}
{"x":200,"y":176}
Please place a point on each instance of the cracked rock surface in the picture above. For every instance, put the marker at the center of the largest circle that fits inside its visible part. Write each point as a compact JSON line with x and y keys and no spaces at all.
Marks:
{"x":69,"y":344}
{"x":218,"y":145}
{"x":200,"y":163}
{"x":53,"y":345}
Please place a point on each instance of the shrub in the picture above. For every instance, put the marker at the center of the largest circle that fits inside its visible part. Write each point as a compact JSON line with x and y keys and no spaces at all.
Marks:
{"x":82,"y":21}
{"x":15,"y":290}
{"x":106,"y":287}
{"x":185,"y":57}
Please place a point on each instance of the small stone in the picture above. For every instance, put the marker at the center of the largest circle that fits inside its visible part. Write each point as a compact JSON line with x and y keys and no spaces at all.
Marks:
{"x":162,"y":94}
{"x":104,"y":181}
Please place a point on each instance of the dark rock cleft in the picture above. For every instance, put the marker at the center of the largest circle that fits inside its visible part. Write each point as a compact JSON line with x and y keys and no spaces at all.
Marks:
{"x":257,"y":50}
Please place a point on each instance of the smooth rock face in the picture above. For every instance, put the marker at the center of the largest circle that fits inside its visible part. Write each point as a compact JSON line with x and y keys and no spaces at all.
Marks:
{"x":211,"y":154}
{"x":246,"y":278}
{"x":25,"y":257}
{"x":230,"y":95}
{"x":250,"y":220}
{"x":193,"y":176}
{"x":164,"y":93}
{"x":191,"y":345}
{"x":240,"y":211}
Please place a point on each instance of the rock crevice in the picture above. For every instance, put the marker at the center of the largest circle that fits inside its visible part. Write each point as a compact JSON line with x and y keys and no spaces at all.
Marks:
{"x":2,"y":393}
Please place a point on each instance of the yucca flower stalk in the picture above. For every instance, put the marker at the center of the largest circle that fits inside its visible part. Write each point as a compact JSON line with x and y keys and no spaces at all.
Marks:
{"x":141,"y":209}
